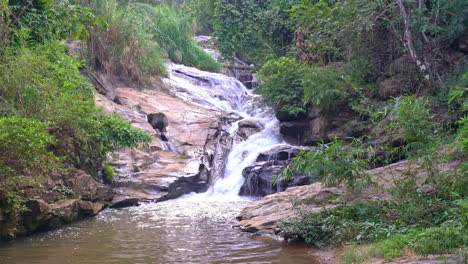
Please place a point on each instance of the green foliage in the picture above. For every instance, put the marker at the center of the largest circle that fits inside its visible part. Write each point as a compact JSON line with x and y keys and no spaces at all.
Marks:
{"x":324,"y":89}
{"x":139,"y":36}
{"x":46,"y":20}
{"x":126,"y":48}
{"x":173,"y":32}
{"x":411,"y":121}
{"x":108,"y":173}
{"x":253,"y":29}
{"x":291,"y":87}
{"x":47,"y":111}
{"x":23,"y":144}
{"x":24,"y":154}
{"x":444,"y":225}
{"x":282,"y":87}
{"x":64,"y":191}
{"x":332,"y":163}
{"x":328,"y":28}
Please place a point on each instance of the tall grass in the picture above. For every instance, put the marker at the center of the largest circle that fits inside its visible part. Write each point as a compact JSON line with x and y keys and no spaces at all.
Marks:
{"x":125,"y":48}
{"x":139,"y":36}
{"x":173,"y":33}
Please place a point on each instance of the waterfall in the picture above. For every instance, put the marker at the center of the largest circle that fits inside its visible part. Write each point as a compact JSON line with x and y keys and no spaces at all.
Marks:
{"x":221,"y":92}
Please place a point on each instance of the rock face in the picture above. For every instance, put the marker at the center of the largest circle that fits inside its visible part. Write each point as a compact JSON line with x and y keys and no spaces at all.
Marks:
{"x":51,"y":207}
{"x":260,"y":175}
{"x":262,"y":215}
{"x":188,"y":149}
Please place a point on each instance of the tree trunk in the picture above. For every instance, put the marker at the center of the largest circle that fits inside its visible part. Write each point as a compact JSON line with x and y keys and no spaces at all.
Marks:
{"x":408,"y":42}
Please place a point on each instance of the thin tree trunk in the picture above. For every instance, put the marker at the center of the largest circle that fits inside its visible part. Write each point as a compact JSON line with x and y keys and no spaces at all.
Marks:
{"x":408,"y":41}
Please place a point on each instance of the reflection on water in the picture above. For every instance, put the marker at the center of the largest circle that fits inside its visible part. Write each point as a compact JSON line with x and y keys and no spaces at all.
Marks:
{"x":192,"y":229}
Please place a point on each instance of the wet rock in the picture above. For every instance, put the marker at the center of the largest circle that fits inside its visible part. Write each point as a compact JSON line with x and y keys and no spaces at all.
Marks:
{"x":293,"y":132}
{"x":158,"y":121}
{"x":262,"y":215}
{"x":282,"y":152}
{"x":259,"y":177}
{"x":120,"y":202}
{"x":87,"y":208}
{"x":248,"y":127}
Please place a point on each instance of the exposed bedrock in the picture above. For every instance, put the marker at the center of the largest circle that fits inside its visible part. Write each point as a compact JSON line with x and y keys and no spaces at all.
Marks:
{"x":188,"y":150}
{"x":62,"y":199}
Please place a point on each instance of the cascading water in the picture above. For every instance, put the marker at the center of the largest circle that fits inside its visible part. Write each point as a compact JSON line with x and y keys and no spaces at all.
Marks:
{"x":196,"y":228}
{"x":228,"y":94}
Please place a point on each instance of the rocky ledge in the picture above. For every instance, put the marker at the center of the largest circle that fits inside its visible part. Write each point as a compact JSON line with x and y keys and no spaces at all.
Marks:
{"x":62,"y":199}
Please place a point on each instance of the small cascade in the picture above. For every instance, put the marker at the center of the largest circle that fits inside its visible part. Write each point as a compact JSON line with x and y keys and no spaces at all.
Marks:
{"x":221,"y":92}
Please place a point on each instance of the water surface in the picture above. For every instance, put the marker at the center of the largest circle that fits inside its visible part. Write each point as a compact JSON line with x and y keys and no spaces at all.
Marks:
{"x":191,"y":229}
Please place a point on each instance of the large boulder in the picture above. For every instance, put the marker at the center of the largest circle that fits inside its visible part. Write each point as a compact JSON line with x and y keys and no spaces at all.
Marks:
{"x":263,"y":215}
{"x":248,"y":127}
{"x":259,"y":176}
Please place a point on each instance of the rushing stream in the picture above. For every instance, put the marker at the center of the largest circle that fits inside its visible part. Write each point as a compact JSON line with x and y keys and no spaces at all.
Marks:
{"x":196,"y":228}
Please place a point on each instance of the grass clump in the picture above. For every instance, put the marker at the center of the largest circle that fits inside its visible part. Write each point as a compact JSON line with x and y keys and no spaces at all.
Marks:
{"x":138,"y":38}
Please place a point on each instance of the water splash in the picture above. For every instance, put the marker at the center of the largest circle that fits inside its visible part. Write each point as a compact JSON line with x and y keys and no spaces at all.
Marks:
{"x":226,"y":93}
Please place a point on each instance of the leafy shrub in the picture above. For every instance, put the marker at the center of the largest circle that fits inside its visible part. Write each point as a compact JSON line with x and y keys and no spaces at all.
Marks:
{"x":324,"y":89}
{"x":173,"y":32}
{"x":411,"y":121}
{"x":282,"y":87}
{"x":253,"y":30}
{"x":139,"y":36}
{"x":108,"y":173}
{"x":24,"y":156}
{"x":331,"y":163}
{"x":47,"y":111}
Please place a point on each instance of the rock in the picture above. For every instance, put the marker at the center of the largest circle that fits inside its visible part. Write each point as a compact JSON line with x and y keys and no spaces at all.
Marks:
{"x":66,"y":210}
{"x":120,"y":202}
{"x":262,"y":215}
{"x":83,"y":184}
{"x":87,"y":208}
{"x":178,"y":56}
{"x":293,"y":132}
{"x":248,"y":127}
{"x":158,"y":121}
{"x":282,"y":152}
{"x":189,"y":156}
{"x":259,"y":178}
{"x":260,"y":175}
{"x":38,"y":215}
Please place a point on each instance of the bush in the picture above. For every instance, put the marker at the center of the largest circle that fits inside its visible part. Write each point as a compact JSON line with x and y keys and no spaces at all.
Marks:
{"x":324,"y":89}
{"x":282,"y":87}
{"x":47,"y":111}
{"x":331,"y":163}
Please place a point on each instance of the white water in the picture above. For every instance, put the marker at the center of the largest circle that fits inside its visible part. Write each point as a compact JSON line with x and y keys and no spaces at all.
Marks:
{"x":226,"y":93}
